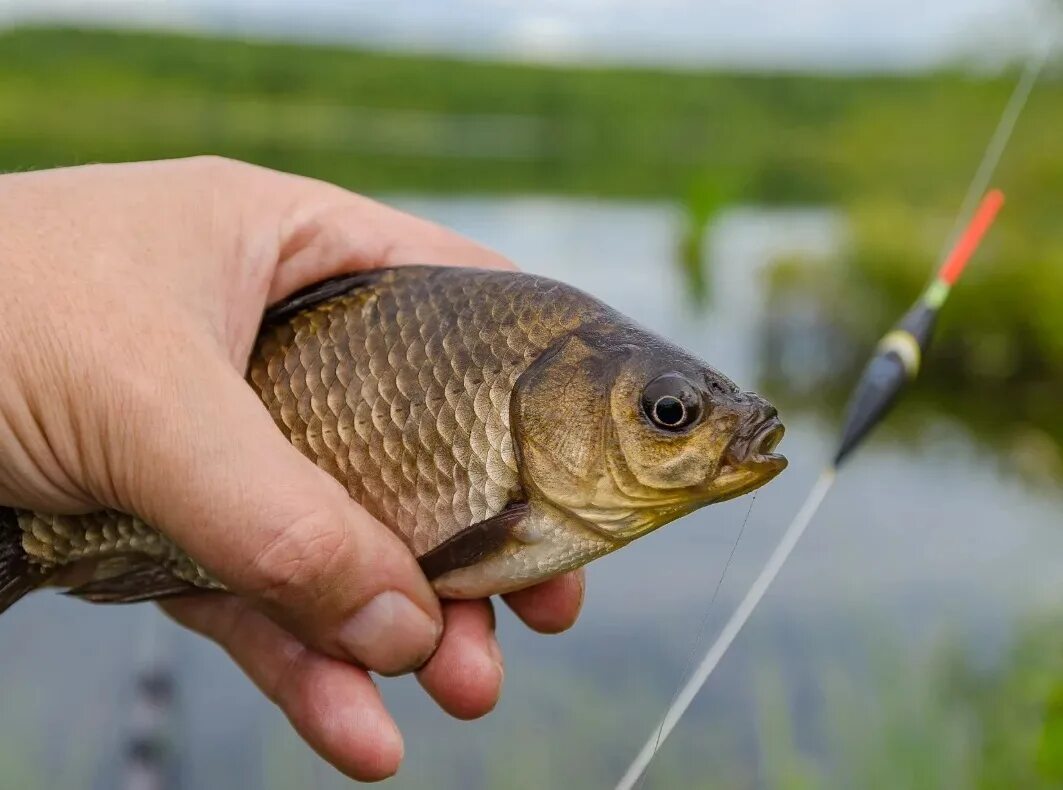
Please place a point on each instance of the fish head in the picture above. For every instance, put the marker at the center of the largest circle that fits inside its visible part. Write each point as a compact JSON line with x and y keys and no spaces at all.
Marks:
{"x":628,"y":432}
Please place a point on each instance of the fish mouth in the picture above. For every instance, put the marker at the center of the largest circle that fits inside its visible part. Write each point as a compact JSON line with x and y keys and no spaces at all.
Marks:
{"x":765,"y":441}
{"x":751,"y":461}
{"x":757,"y":452}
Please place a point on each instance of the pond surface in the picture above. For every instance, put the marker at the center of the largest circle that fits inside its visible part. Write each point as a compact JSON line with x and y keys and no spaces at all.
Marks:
{"x":922,"y":541}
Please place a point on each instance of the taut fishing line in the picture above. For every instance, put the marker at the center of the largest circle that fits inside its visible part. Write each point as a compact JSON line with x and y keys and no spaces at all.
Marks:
{"x":708,"y":611}
{"x":918,"y":335}
{"x":688,"y":691}
{"x":1001,"y":135}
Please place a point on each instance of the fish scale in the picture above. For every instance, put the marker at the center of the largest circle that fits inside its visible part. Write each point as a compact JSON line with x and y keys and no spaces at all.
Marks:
{"x":422,"y":405}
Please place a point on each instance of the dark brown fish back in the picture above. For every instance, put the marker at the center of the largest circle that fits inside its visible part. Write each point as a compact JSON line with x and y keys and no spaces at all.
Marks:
{"x":400,"y":387}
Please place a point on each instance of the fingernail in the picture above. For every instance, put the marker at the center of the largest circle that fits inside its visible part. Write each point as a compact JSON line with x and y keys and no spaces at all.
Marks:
{"x":397,"y":740}
{"x":494,"y":652}
{"x":581,"y":580}
{"x":390,"y":634}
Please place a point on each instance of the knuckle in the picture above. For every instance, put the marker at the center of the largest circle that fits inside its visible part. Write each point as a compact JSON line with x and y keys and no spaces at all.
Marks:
{"x":300,"y":558}
{"x":112,"y":413}
{"x":132,"y":398}
{"x":285,"y":685}
{"x":134,"y":390}
{"x":213,"y":164}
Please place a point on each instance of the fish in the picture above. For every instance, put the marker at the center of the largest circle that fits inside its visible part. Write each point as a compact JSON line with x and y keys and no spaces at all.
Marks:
{"x":506,"y":426}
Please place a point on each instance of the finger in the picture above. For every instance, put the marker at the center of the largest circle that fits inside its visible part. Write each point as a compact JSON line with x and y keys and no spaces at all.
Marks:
{"x":326,"y":230}
{"x":552,"y":606}
{"x":335,"y":707}
{"x":465,"y":674}
{"x":219,"y":478}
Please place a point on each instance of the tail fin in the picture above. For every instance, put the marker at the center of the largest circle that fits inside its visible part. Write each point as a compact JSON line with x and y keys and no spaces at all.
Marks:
{"x":17,"y":576}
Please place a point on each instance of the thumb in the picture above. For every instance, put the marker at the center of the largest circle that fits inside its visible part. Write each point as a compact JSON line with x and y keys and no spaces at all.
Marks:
{"x":221,"y":480}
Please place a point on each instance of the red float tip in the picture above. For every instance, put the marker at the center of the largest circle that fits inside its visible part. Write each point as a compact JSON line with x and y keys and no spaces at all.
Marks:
{"x":972,"y":237}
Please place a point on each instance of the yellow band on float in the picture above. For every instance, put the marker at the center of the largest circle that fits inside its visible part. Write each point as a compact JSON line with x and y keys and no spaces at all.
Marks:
{"x":905,"y":346}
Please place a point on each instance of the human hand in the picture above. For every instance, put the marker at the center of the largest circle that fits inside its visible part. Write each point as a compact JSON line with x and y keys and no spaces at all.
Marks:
{"x":133,"y":294}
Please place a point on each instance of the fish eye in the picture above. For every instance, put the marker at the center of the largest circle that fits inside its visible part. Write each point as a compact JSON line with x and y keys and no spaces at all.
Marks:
{"x":671,"y":402}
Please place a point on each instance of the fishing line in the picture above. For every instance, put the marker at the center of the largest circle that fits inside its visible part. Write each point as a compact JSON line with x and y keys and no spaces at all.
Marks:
{"x":1020,"y":95}
{"x":984,"y":172}
{"x":708,"y":612}
{"x":763,"y":581}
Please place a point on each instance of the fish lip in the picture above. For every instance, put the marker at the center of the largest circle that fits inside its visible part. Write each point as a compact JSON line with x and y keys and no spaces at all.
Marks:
{"x":766,"y":440}
{"x":757,"y":452}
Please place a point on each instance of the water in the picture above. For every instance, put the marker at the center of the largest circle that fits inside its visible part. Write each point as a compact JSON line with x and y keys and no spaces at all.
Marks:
{"x":921,"y":541}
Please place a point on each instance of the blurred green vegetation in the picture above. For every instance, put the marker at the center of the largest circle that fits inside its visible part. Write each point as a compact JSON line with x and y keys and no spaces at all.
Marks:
{"x":947,"y":722}
{"x":391,"y":122}
{"x":1014,"y":711}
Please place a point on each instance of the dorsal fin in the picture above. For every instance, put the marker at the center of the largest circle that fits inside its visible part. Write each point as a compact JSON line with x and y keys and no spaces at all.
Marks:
{"x":319,"y":292}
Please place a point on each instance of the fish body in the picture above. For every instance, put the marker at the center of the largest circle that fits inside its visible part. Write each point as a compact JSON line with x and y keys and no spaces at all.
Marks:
{"x":506,"y":426}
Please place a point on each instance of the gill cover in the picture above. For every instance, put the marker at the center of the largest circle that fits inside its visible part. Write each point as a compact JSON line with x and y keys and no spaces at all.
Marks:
{"x":560,"y":414}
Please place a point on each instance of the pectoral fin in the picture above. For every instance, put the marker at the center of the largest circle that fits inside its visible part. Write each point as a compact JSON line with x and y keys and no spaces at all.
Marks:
{"x":473,"y":543}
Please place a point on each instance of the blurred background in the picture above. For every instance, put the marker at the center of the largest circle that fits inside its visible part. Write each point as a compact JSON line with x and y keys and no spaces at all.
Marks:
{"x":769,"y":188}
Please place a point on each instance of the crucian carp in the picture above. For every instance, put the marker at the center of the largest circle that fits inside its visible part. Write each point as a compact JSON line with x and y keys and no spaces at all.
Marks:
{"x":506,"y":426}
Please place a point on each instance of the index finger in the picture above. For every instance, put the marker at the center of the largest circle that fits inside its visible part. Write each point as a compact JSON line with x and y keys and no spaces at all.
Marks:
{"x":326,"y":230}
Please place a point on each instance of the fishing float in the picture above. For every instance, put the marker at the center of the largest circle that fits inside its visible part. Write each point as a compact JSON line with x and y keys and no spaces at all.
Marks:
{"x":894,"y":364}
{"x":900,"y":352}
